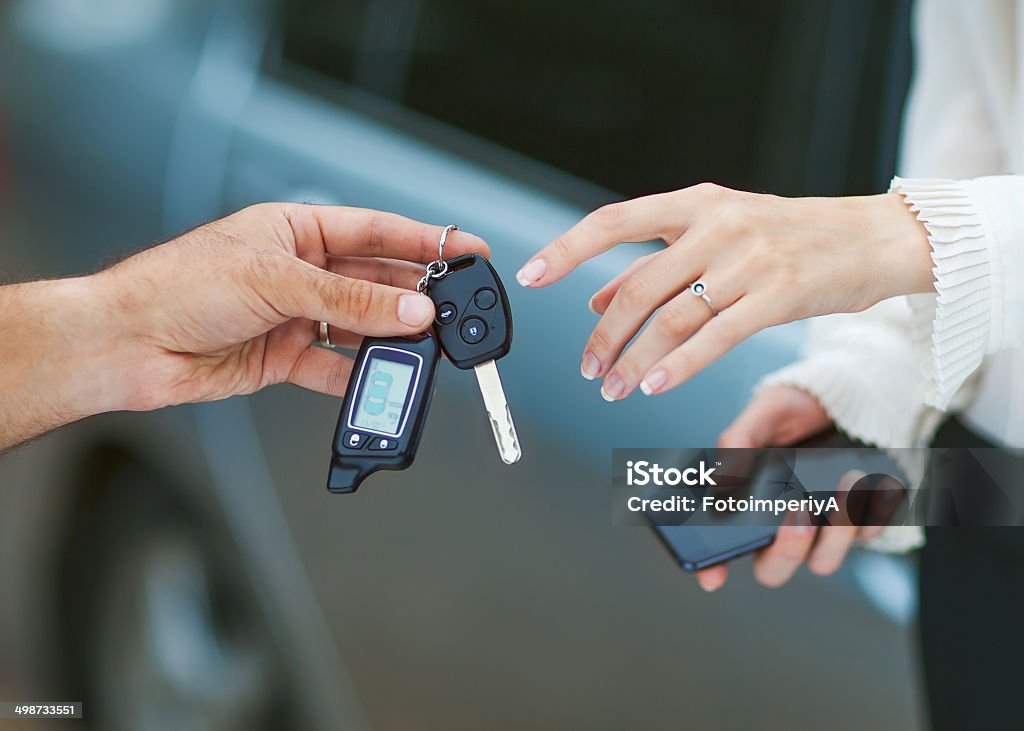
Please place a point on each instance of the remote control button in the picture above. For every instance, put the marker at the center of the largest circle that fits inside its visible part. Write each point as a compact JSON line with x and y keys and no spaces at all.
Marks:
{"x":446,"y":313}
{"x":354,"y":440}
{"x":381,"y":444}
{"x":485,"y":298}
{"x":473,"y":330}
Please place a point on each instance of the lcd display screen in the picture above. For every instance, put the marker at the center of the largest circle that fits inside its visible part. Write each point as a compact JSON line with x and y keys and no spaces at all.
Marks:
{"x":383,"y":395}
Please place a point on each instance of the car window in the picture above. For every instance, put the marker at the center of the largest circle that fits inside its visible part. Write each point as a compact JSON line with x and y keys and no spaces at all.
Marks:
{"x":635,"y":97}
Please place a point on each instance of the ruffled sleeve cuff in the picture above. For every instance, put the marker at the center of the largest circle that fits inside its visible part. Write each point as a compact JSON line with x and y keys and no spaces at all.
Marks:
{"x":843,"y":393}
{"x":952,"y":329}
{"x":865,"y":377}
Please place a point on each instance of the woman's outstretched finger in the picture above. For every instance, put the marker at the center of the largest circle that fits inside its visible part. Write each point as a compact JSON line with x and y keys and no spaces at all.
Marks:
{"x":654,"y":285}
{"x":672,"y":325}
{"x":603,"y":297}
{"x":716,"y":338}
{"x":663,"y":216}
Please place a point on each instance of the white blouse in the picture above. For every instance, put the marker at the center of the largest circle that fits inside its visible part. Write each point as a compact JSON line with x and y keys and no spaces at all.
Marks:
{"x":887,"y":375}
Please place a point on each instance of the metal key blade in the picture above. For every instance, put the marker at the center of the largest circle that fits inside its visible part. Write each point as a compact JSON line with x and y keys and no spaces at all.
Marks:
{"x":505,"y":436}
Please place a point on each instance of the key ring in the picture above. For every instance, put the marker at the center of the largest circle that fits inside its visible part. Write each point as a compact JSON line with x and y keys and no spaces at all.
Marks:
{"x":437,"y":269}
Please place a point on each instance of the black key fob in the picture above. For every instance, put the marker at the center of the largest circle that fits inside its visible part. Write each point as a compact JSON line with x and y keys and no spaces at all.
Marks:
{"x":473,"y":320}
{"x":384,"y":410}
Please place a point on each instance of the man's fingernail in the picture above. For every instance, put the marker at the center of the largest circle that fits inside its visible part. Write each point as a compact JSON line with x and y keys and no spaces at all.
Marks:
{"x":653,"y":381}
{"x":414,"y":309}
{"x":612,"y":388}
{"x":532,"y":272}
{"x":707,"y":587}
{"x":591,"y":366}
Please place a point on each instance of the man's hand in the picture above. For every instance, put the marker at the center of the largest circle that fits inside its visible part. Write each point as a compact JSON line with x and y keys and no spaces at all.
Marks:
{"x":225,"y":309}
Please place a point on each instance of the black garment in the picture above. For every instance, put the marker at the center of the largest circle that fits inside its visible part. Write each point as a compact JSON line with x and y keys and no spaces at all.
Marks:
{"x":971,"y":588}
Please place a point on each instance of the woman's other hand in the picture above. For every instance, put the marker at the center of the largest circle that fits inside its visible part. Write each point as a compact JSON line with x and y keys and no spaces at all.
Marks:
{"x":780,"y":416}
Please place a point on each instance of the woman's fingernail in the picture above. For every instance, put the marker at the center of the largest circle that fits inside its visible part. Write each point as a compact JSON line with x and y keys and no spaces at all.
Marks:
{"x":415,"y":309}
{"x":591,"y":366}
{"x":653,"y":381}
{"x":533,"y":271}
{"x":612,"y":388}
{"x":709,"y":586}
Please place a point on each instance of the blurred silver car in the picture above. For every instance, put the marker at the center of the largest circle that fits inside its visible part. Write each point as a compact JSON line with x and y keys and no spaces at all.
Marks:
{"x":187,"y":569}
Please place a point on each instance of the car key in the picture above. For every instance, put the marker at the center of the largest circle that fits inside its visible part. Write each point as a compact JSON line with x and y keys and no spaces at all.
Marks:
{"x":474,"y":326}
{"x":384,"y":410}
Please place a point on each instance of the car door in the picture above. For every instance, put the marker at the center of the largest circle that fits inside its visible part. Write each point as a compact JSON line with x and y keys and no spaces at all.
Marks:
{"x":466,"y":594}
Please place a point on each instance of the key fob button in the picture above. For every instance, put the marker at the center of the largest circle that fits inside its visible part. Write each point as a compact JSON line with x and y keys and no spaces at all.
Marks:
{"x":380,"y":444}
{"x":446,"y":313}
{"x":473,"y":330}
{"x":353,"y":440}
{"x":485,"y":298}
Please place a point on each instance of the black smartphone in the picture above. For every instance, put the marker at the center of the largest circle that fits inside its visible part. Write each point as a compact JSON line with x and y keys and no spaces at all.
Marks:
{"x":823,"y":460}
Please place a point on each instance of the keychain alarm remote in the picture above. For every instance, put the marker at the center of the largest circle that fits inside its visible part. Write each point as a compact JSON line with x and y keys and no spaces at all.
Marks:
{"x":384,"y":410}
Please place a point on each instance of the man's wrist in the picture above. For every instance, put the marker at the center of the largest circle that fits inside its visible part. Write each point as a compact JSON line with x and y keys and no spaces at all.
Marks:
{"x":94,"y":358}
{"x":63,"y":356}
